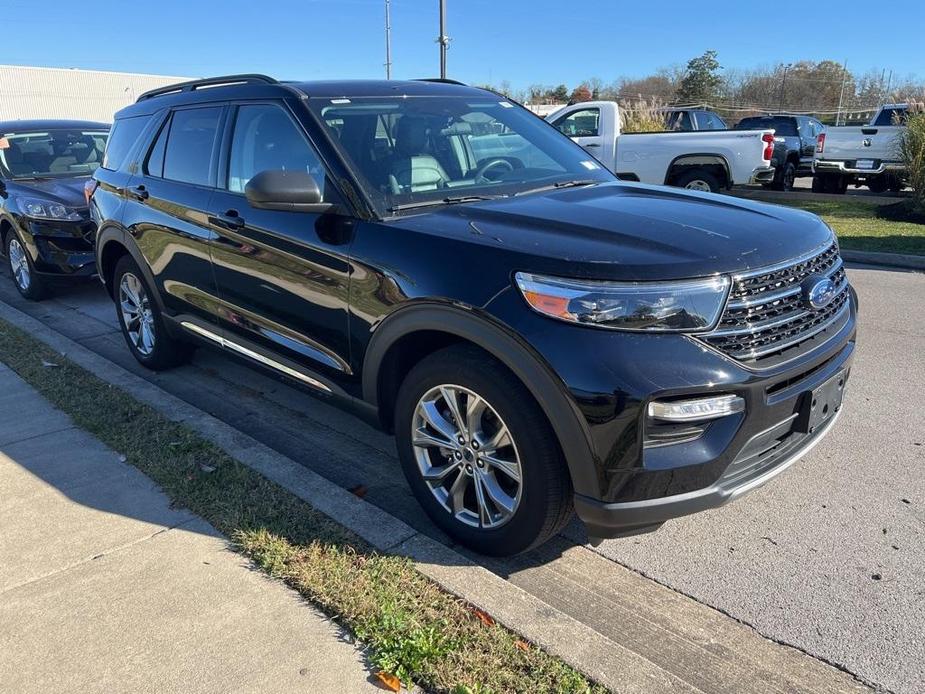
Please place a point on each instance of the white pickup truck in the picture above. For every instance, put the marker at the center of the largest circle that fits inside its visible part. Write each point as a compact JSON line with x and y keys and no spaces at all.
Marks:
{"x":863,"y":155}
{"x":708,"y":160}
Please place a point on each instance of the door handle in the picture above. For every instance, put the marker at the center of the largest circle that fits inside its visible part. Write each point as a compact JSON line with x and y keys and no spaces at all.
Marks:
{"x":139,"y":192}
{"x":230,"y":220}
{"x":592,"y":144}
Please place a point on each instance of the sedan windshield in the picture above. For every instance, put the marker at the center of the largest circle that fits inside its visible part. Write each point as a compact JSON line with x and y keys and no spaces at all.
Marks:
{"x":408,"y":152}
{"x":51,"y":153}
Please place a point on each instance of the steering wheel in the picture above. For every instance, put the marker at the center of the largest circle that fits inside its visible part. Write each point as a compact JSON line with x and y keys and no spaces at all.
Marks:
{"x":480,"y":173}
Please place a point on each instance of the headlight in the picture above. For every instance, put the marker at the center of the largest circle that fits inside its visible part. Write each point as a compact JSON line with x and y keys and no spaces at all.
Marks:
{"x":46,"y":209}
{"x":688,"y":305}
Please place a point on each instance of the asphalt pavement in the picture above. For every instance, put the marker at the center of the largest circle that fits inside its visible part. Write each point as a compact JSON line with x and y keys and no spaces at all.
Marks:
{"x":828,"y":558}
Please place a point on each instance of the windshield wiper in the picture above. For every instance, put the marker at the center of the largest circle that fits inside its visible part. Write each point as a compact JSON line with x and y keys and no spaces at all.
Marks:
{"x":443,"y":201}
{"x":560,"y":184}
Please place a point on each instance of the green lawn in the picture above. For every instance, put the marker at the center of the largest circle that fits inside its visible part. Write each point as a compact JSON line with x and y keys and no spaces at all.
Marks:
{"x":859,"y":228}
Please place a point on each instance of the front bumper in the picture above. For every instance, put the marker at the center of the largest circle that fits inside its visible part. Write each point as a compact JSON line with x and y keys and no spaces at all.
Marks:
{"x":603,"y":520}
{"x":829,"y":166}
{"x":64,"y":249}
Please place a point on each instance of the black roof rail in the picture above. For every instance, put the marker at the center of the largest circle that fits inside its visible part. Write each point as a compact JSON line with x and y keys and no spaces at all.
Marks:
{"x":192,"y":85}
{"x":441,"y":80}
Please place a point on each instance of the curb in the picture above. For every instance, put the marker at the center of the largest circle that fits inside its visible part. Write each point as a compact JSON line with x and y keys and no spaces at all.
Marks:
{"x":585,"y":649}
{"x":898,"y":260}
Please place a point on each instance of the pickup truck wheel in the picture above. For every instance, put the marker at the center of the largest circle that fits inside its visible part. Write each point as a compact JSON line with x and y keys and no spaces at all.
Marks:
{"x":141,"y":321}
{"x":785,"y":177}
{"x":698,"y":179}
{"x":479,"y":454}
{"x":880,"y":184}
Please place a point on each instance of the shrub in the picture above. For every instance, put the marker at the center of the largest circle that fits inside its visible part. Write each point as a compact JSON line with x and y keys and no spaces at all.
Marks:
{"x":642,"y":115}
{"x":912,"y":152}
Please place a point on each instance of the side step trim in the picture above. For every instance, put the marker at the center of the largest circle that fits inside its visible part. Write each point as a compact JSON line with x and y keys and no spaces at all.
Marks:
{"x":256,"y":356}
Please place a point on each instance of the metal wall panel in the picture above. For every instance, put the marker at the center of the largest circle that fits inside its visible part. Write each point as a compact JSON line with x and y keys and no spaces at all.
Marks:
{"x":37,"y":92}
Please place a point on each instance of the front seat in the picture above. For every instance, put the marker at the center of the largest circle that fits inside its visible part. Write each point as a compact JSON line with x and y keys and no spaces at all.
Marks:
{"x":414,"y":169}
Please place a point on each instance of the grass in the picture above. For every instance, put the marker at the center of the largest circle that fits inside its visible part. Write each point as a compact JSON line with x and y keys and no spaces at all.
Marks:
{"x":413,"y":629}
{"x":860,"y":227}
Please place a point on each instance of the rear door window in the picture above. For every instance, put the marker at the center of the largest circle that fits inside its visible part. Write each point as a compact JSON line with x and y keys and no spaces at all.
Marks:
{"x":190,"y":145}
{"x":583,"y":123}
{"x":125,"y":132}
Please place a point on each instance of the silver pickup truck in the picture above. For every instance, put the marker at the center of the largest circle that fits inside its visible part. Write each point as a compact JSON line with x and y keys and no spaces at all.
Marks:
{"x":862,"y":155}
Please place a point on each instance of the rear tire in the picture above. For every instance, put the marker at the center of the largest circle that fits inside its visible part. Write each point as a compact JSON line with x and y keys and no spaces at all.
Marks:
{"x":457,"y":466}
{"x":698,"y":179}
{"x":785,"y":177}
{"x":878,"y":185}
{"x":142,"y":323}
{"x":30,"y":285}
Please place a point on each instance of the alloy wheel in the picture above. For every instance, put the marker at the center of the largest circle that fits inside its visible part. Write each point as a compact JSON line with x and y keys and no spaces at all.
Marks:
{"x":19,"y":265}
{"x":467,"y":456}
{"x":137,"y":316}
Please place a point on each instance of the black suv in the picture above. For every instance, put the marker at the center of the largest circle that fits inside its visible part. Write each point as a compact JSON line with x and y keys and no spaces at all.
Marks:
{"x":45,"y":225}
{"x":794,"y":145}
{"x":538,"y":335}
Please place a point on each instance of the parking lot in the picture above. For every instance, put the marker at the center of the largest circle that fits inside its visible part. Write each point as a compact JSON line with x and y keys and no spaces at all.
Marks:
{"x":828,"y":558}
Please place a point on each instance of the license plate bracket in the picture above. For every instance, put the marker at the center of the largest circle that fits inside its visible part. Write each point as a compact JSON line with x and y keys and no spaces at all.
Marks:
{"x":821,"y":404}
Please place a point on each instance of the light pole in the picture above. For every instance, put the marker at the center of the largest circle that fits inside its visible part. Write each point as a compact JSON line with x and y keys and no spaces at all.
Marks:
{"x":443,"y":39}
{"x":388,"y":40}
{"x":780,"y":100}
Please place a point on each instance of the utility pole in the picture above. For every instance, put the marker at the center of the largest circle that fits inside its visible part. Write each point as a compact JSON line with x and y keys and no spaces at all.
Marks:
{"x":443,"y":39}
{"x":783,"y":82}
{"x":388,"y":39}
{"x":841,"y":97}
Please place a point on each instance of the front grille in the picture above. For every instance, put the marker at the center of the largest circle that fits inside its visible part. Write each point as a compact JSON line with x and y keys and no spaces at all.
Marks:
{"x":766,"y":315}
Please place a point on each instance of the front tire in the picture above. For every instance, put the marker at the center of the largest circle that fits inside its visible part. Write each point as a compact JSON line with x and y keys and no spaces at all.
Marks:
{"x":30,"y":284}
{"x":141,"y":321}
{"x":479,"y":454}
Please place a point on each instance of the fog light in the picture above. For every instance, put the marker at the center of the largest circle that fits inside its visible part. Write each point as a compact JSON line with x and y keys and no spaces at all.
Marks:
{"x":696,"y":409}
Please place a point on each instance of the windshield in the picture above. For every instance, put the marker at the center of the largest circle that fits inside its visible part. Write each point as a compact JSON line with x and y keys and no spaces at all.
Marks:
{"x":51,"y":153}
{"x":784,"y":127}
{"x":414,"y":150}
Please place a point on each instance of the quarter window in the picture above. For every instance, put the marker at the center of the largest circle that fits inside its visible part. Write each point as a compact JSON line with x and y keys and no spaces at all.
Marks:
{"x":124,"y":133}
{"x":267,"y":139}
{"x":190,"y":142}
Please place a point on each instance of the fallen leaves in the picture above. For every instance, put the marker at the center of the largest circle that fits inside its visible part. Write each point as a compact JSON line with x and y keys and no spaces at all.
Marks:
{"x":389,"y":681}
{"x":522,"y":645}
{"x":483,"y":617}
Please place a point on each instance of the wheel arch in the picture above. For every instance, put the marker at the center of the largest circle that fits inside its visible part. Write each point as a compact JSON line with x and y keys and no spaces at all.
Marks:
{"x":431,"y":326}
{"x":699,"y":160}
{"x":113,"y":242}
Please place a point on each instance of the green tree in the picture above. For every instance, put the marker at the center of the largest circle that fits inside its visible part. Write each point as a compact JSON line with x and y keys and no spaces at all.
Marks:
{"x":701,"y":81}
{"x":560,"y":94}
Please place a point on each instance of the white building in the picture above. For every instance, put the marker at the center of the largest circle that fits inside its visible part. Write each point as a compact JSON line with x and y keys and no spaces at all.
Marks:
{"x":42,"y":92}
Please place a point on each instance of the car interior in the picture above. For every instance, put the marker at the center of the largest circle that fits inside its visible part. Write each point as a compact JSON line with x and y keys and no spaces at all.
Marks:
{"x":53,"y":153}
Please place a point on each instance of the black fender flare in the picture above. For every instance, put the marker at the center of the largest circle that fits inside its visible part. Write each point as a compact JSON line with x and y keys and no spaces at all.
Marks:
{"x":116,"y":234}
{"x":480,"y":329}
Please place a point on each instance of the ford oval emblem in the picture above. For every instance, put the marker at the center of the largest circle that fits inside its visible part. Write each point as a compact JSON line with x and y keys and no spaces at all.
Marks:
{"x":818,"y":291}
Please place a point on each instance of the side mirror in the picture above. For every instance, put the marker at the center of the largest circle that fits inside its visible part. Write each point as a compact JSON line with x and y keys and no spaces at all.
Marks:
{"x":288,"y":191}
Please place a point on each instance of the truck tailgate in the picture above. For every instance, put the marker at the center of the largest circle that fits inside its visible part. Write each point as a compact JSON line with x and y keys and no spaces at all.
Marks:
{"x":850,"y":143}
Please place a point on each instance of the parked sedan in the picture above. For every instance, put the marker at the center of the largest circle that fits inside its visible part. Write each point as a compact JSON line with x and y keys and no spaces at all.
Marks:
{"x":45,"y":222}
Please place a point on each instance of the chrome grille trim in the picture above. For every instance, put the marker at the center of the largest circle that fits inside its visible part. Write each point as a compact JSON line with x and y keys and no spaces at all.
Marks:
{"x":765,"y":313}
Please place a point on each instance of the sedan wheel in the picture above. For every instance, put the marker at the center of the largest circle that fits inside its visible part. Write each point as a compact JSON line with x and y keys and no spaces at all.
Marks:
{"x":467,"y":457}
{"x":136,"y":313}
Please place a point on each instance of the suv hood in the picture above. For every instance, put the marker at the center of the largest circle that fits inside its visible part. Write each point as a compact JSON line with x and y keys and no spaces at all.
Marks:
{"x":67,"y":191}
{"x":632,"y":231}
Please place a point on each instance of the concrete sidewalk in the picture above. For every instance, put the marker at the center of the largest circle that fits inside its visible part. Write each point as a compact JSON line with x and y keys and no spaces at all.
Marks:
{"x":104,"y":587}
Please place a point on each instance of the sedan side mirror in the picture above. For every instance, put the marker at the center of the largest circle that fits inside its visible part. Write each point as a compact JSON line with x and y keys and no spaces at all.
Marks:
{"x":288,"y":191}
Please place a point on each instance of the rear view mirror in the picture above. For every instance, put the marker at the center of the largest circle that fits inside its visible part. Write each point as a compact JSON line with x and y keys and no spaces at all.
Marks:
{"x":289,"y":191}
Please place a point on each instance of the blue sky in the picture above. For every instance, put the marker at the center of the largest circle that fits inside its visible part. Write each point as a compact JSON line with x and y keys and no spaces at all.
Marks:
{"x":521,"y":41}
